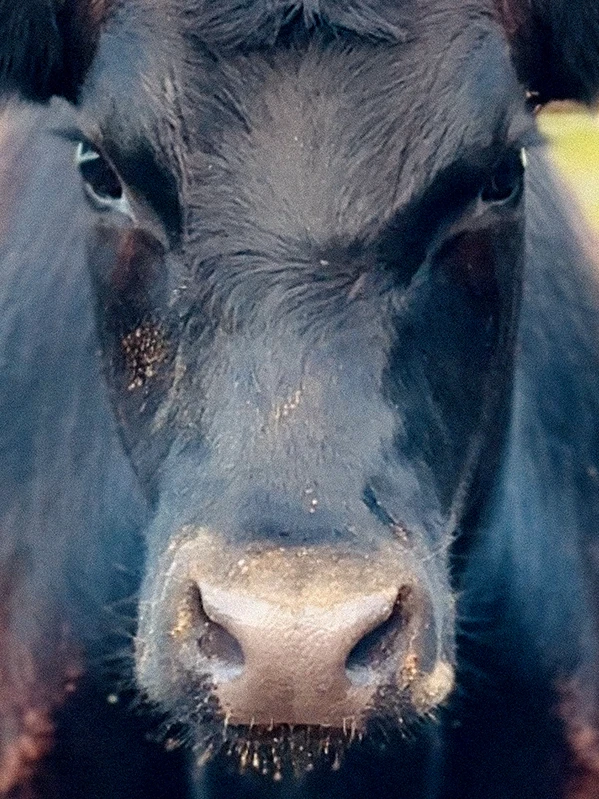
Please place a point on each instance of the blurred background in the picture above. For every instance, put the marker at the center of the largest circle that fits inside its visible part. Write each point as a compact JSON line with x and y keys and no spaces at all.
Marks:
{"x":574,"y":137}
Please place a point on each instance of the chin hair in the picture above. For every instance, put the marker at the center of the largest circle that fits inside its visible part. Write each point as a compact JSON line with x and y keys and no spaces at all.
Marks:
{"x":194,"y":720}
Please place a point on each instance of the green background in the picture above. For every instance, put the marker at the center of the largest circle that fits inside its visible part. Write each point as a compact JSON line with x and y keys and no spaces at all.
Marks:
{"x":574,"y":140}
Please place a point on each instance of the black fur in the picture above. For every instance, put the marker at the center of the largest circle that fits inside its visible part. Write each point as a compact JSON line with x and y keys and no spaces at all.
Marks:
{"x":556,"y":46}
{"x":47,"y":46}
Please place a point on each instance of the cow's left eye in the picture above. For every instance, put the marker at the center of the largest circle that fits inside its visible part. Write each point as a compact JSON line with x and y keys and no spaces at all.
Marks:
{"x":507,"y":181}
{"x":102,"y":184}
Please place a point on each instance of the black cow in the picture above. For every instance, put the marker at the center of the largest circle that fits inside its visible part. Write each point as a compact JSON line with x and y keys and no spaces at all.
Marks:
{"x":300,"y":385}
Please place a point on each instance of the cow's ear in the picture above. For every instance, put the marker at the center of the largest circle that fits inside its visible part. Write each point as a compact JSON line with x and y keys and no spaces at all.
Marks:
{"x":555,"y":45}
{"x":46,"y":46}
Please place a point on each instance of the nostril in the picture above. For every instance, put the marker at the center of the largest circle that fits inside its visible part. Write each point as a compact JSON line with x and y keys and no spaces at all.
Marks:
{"x":378,"y":649}
{"x":216,"y":644}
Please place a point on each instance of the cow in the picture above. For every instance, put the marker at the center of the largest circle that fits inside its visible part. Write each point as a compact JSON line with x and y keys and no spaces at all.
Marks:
{"x":299,"y":401}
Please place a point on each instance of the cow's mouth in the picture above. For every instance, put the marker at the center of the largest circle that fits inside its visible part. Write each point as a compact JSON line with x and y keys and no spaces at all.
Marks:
{"x":280,"y":751}
{"x":283,"y":751}
{"x":273,"y":751}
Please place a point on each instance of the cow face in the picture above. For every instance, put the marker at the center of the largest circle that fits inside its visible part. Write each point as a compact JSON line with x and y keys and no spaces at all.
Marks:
{"x":307,"y":262}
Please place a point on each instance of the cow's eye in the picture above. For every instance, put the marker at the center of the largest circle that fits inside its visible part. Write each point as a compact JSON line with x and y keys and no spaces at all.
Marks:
{"x":507,"y":181}
{"x":102,"y":184}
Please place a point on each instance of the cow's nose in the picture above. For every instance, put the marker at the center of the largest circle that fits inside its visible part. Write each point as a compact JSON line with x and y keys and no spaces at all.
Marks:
{"x":293,"y":636}
{"x":315,"y":663}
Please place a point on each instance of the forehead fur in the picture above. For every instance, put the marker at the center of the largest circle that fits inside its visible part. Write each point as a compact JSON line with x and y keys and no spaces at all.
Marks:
{"x":234,"y":23}
{"x":331,"y":138}
{"x":313,"y":136}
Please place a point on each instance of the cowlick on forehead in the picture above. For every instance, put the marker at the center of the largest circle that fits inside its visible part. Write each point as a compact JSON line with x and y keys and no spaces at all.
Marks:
{"x":47,"y":47}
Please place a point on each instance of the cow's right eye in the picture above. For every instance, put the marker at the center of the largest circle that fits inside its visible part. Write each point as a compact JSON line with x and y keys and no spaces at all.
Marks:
{"x":102,"y":184}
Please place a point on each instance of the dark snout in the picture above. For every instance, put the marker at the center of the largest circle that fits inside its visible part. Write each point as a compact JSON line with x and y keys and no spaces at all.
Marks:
{"x":297,"y":636}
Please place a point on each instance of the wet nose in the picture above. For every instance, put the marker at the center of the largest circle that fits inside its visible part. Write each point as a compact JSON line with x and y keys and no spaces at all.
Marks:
{"x":298,"y":636}
{"x":274,"y":664}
